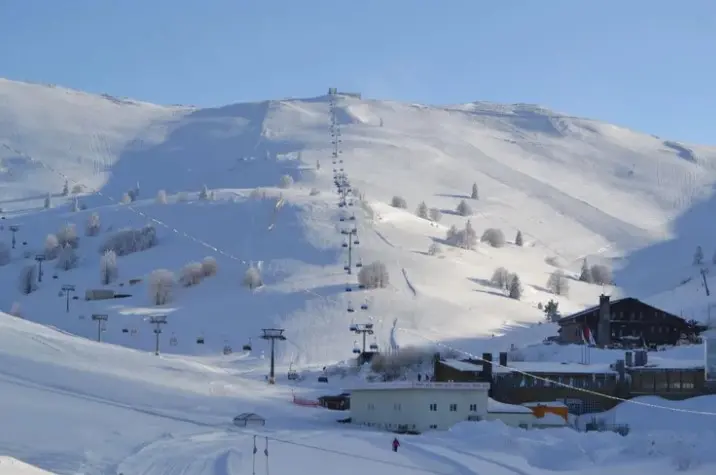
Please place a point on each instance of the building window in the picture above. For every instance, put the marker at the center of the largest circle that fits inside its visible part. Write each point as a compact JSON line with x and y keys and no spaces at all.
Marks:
{"x":473,"y":407}
{"x":433,"y":426}
{"x":433,"y":407}
{"x":453,"y":407}
{"x":371,"y":406}
{"x":396,"y":406}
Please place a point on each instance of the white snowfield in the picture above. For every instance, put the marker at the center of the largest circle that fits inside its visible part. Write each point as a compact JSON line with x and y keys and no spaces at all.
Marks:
{"x":575,"y":188}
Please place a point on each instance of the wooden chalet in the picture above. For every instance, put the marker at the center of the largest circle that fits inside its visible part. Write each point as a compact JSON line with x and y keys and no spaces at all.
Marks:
{"x":627,"y":322}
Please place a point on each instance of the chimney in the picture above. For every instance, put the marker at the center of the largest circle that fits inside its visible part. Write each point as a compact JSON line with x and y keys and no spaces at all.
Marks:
{"x":604,"y":331}
{"x":629,"y":358}
{"x":487,"y":366}
{"x":503,"y":358}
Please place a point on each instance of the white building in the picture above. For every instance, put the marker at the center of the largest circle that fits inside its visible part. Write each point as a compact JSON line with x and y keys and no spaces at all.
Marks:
{"x":418,"y":406}
{"x":511,"y":414}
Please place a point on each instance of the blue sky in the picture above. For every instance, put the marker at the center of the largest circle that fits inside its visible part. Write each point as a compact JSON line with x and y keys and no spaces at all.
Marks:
{"x":646,"y":64}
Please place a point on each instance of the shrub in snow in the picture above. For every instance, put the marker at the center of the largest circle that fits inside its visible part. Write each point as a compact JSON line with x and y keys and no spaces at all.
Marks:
{"x":435,"y":215}
{"x":252,"y":278}
{"x":515,"y":287}
{"x":398,"y":202}
{"x":601,"y":274}
{"x":463,"y":209}
{"x":182,"y":197}
{"x":209,"y":266}
{"x":494,"y":237}
{"x":161,"y":197}
{"x":67,"y":258}
{"x":28,"y":279}
{"x":314,"y":192}
{"x":434,"y":249}
{"x":67,"y":235}
{"x":128,"y":241}
{"x":286,"y":181}
{"x":698,"y":256}
{"x":374,"y":275}
{"x":126,"y":199}
{"x":161,"y":285}
{"x":558,"y":283}
{"x":108,"y":270}
{"x":52,"y":247}
{"x":4,"y":254}
{"x":191,"y":274}
{"x":48,"y":201}
{"x":16,"y":310}
{"x":78,"y":188}
{"x":501,"y":278}
{"x":474,"y":195}
{"x":422,"y":211}
{"x":93,"y":225}
{"x":518,"y":239}
{"x":204,"y":193}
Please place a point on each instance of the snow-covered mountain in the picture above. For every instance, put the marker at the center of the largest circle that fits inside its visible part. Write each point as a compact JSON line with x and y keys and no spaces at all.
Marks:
{"x":574,"y":187}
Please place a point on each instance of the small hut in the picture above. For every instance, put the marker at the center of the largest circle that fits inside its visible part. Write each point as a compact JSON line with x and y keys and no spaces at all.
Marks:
{"x":249,"y":419}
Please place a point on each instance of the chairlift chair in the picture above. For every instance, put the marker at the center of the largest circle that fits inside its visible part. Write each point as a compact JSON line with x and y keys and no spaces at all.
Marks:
{"x":356,"y":349}
{"x":350,"y":307}
{"x":200,"y":340}
{"x":353,"y":217}
{"x":323,"y":379}
{"x":353,"y":327}
{"x":364,"y":305}
{"x":227,"y":350}
{"x":247,"y":346}
{"x":345,"y":244}
{"x":292,"y":373}
{"x":374,"y":345}
{"x":356,"y":242}
{"x":133,"y":331}
{"x":173,"y":340}
{"x":125,"y":330}
{"x":349,"y":288}
{"x":359,"y":264}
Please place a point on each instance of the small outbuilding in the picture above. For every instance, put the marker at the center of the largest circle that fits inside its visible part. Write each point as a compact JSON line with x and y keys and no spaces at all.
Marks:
{"x":249,"y":419}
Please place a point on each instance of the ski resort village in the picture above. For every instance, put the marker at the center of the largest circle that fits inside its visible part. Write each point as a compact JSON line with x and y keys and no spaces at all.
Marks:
{"x":341,"y":281}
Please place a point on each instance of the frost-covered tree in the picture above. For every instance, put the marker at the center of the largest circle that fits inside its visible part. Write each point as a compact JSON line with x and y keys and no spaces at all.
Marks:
{"x":66,"y":189}
{"x":52,"y":247}
{"x":585,"y":274}
{"x":518,"y":239}
{"x":515,"y":287}
{"x":204,"y":193}
{"x":434,"y":249}
{"x":126,"y":199}
{"x":161,"y":285}
{"x":469,"y":240}
{"x":191,"y":274}
{"x":67,"y":235}
{"x":76,"y":204}
{"x":209,"y":266}
{"x":252,"y":278}
{"x":93,"y":225}
{"x":601,"y":274}
{"x":494,"y":237}
{"x":286,"y":181}
{"x":422,"y":210}
{"x":28,"y":279}
{"x":128,"y":241}
{"x":451,"y":234}
{"x":463,"y":209}
{"x":161,"y":197}
{"x":474,"y":194}
{"x":108,"y":270}
{"x":374,"y":275}
{"x":435,"y":215}
{"x":501,"y":278}
{"x":48,"y":201}
{"x":698,"y":256}
{"x":67,"y":258}
{"x":558,"y":283}
{"x":398,"y":202}
{"x":5,"y":255}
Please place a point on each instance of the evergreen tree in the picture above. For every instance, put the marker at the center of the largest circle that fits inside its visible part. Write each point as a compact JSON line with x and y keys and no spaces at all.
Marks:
{"x":551,"y":310}
{"x":586,"y":273}
{"x":698,"y":256}
{"x":518,"y":239}
{"x":66,"y":189}
{"x":422,"y":211}
{"x":474,"y":195}
{"x":515,"y":288}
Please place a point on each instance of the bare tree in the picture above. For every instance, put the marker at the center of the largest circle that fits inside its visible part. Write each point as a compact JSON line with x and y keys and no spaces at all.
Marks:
{"x":374,"y":275}
{"x":28,"y":279}
{"x":67,"y":235}
{"x":399,"y":202}
{"x":191,"y":274}
{"x":93,"y":225}
{"x":209,"y":266}
{"x":52,"y":247}
{"x":501,"y":278}
{"x":161,"y":197}
{"x":161,"y":285}
{"x":558,"y":283}
{"x":67,"y":258}
{"x":252,"y":278}
{"x":435,"y":215}
{"x":434,"y":249}
{"x":108,"y":270}
{"x":698,"y":256}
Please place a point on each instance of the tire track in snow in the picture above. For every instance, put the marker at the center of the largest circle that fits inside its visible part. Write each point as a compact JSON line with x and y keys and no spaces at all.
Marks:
{"x":515,"y":471}
{"x":459,"y":467}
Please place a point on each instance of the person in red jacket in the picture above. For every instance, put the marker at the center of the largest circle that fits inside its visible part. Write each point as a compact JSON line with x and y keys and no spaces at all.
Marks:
{"x":396,"y":444}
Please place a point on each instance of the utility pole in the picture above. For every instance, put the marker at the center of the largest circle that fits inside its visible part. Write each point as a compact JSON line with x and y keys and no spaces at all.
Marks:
{"x":39,"y":258}
{"x":99,"y":318}
{"x":704,"y":271}
{"x":157,"y":321}
{"x":273,"y":334}
{"x":363,"y":329}
{"x":67,"y":289}
{"x":14,"y":228}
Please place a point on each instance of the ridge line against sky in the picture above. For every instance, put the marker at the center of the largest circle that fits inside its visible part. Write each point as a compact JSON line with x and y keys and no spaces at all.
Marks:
{"x":644,"y":64}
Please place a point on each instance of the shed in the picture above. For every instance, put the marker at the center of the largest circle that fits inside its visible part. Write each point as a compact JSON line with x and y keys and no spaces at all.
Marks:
{"x":249,"y":419}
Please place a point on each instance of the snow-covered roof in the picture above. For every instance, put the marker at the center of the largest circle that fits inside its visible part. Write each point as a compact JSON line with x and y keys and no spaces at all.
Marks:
{"x":462,"y":365}
{"x":401,"y":385}
{"x":501,"y":407}
{"x":554,"y":368}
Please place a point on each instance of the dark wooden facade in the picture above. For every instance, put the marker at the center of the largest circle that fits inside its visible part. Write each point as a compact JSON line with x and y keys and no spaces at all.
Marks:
{"x":630,"y":323}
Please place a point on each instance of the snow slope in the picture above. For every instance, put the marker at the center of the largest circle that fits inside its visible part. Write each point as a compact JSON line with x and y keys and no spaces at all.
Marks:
{"x":573,"y":186}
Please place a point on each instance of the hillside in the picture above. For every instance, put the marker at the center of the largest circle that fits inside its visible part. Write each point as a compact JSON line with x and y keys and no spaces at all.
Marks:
{"x":574,"y":187}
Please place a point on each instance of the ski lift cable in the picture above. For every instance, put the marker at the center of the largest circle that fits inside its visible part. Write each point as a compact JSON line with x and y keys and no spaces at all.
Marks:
{"x":154,"y":220}
{"x":557,"y":383}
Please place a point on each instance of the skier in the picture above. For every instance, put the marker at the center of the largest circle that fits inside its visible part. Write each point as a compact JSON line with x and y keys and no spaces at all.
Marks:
{"x":396,"y":444}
